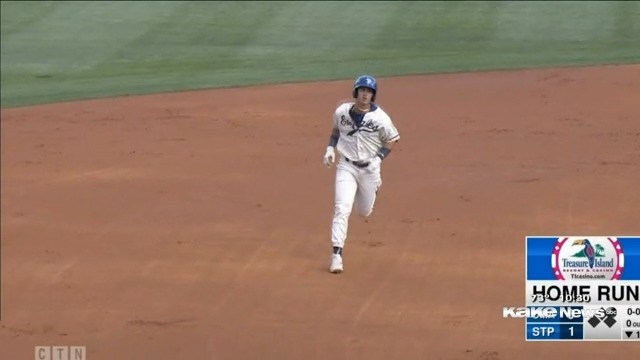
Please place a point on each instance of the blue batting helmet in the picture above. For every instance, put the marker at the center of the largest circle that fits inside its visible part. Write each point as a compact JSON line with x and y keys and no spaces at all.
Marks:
{"x":367,"y":81}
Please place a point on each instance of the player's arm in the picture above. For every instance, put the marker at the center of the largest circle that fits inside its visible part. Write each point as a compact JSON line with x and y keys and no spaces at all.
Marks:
{"x":385,"y":150}
{"x":335,"y":135}
{"x":389,"y":136}
{"x":330,"y":155}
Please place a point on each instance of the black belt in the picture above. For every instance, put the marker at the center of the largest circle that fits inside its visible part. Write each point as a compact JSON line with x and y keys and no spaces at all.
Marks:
{"x":360,"y":164}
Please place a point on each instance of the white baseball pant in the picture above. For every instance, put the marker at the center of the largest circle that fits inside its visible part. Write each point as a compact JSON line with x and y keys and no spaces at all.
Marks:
{"x":353,"y":185}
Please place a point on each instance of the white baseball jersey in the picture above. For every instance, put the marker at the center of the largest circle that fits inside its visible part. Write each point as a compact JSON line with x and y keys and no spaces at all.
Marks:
{"x":361,"y":143}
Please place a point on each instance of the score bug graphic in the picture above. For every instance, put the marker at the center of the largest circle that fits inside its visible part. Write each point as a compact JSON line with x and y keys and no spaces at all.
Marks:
{"x":591,"y":282}
{"x":581,"y":258}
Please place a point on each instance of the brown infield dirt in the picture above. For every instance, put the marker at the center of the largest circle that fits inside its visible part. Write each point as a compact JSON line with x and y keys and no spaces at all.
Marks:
{"x":196,"y":225}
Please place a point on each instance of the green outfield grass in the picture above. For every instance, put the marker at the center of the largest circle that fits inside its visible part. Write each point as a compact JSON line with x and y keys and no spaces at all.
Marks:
{"x":54,"y":51}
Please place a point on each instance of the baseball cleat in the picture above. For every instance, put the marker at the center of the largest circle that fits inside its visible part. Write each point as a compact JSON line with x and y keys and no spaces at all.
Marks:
{"x":336,"y":264}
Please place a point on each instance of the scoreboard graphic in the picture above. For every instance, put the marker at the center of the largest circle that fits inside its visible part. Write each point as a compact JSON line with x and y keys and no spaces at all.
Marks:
{"x":582,"y":288}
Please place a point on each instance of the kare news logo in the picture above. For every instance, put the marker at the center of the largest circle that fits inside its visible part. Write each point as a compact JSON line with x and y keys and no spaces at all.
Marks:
{"x":61,"y":353}
{"x":549,"y":312}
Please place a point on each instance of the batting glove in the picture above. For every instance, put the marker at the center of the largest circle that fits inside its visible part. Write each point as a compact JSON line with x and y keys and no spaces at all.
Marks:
{"x":329,"y":157}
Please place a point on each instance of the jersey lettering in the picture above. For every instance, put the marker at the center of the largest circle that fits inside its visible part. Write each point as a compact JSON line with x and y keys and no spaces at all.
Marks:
{"x":361,"y":143}
{"x":345,"y":122}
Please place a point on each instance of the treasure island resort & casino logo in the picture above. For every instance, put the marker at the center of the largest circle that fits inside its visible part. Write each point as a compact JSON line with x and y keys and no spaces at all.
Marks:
{"x":587,"y":258}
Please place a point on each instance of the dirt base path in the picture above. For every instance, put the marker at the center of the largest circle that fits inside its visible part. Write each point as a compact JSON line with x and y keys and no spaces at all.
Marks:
{"x":196,"y":225}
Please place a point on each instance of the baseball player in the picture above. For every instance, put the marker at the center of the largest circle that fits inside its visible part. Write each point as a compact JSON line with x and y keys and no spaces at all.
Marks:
{"x":364,"y":136}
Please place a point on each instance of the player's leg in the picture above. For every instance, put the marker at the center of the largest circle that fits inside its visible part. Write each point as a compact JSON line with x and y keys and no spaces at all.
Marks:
{"x":346,"y":187}
{"x":369,"y":181}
